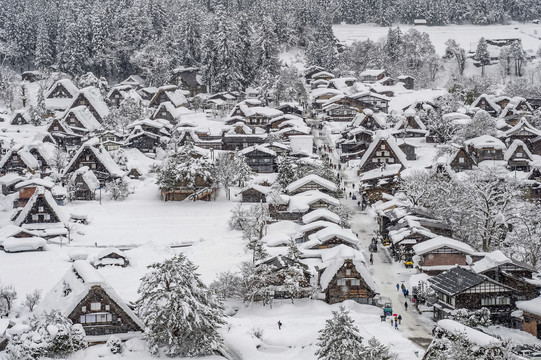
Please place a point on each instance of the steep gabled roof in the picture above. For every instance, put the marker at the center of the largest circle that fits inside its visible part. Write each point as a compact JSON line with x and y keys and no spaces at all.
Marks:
{"x":94,"y":98}
{"x":523,"y":125}
{"x":439,"y":242}
{"x":336,"y":264}
{"x":101,"y":154}
{"x":85,"y":117}
{"x":489,"y":100}
{"x":46,"y":194}
{"x":75,"y":285}
{"x":67,"y":84}
{"x":389,"y":140}
{"x":320,"y":213}
{"x":514,"y":146}
{"x":329,"y":185}
{"x":495,"y":259}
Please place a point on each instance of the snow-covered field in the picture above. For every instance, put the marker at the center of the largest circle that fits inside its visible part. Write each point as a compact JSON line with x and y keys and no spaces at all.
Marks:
{"x":466,"y":35}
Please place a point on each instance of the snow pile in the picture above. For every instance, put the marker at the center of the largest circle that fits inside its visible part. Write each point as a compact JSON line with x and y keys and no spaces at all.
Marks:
{"x":23,"y":244}
{"x":474,"y":336}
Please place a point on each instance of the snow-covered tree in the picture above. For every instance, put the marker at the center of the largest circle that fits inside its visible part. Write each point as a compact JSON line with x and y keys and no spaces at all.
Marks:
{"x":114,"y":344}
{"x":321,"y":50}
{"x":481,"y":124}
{"x":227,"y":285}
{"x":340,"y":338}
{"x":231,"y":169}
{"x":473,"y":318}
{"x":453,"y":50}
{"x":482,"y":55}
{"x":440,"y":127}
{"x":253,"y":229}
{"x":44,"y":51}
{"x":524,"y":240}
{"x":7,"y":296}
{"x":32,"y":299}
{"x":518,"y":55}
{"x":50,"y":335}
{"x":293,"y":251}
{"x":375,"y":350}
{"x":182,"y":316}
{"x":286,"y":172}
{"x":117,"y":188}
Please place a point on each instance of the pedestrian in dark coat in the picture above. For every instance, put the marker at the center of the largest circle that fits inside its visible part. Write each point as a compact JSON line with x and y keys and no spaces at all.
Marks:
{"x":400,"y":319}
{"x":397,"y":287}
{"x":406,"y":305}
{"x":279,"y":325}
{"x":396,"y":325}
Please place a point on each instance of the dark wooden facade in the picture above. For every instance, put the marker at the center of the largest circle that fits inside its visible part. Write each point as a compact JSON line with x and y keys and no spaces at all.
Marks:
{"x":462,"y":160}
{"x":261,"y":161}
{"x":253,"y":195}
{"x":88,"y":158}
{"x":99,"y":314}
{"x":348,"y":284}
{"x":82,"y":100}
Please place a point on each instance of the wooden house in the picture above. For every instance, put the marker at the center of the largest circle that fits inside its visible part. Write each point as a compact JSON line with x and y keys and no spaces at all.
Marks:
{"x":135,"y":81}
{"x":260,"y":159}
{"x":111,"y":257}
{"x":85,"y":297}
{"x":339,"y":112}
{"x":9,"y":181}
{"x":145,"y":141}
{"x":255,"y":194}
{"x":408,"y":81}
{"x":518,"y":157}
{"x":290,"y":108}
{"x":81,"y":120}
{"x":111,"y":140}
{"x":241,"y":136}
{"x":60,"y":95}
{"x":134,"y":173}
{"x":460,"y":288}
{"x":346,"y":279}
{"x":311,"y":182}
{"x":321,"y":215}
{"x":516,"y":107}
{"x":147,"y":93}
{"x":40,"y":212}
{"x":407,"y":149}
{"x":522,"y":131}
{"x":461,"y":160}
{"x":188,"y":78}
{"x":255,"y":116}
{"x":330,"y":237}
{"x":532,"y":185}
{"x":487,"y":103}
{"x":368,"y":121}
{"x":166,"y":110}
{"x":283,"y":268}
{"x":120,"y":93}
{"x":372,"y":100}
{"x":441,"y":253}
{"x":308,"y":229}
{"x":322,"y":96}
{"x":20,"y":117}
{"x":510,"y":272}
{"x":20,"y":160}
{"x":485,"y":147}
{"x":97,"y":159}
{"x":83,"y":184}
{"x":314,"y":69}
{"x":531,"y":316}
{"x":322,"y":75}
{"x":379,"y":181}
{"x":382,"y":151}
{"x":201,"y":190}
{"x":91,"y":98}
{"x":168,"y":93}
{"x":410,"y":126}
{"x":63,"y":134}
{"x":372,"y":75}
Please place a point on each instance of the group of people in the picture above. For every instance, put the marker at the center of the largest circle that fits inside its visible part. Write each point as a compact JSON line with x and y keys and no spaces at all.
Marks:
{"x":405,"y":292}
{"x":397,"y":321}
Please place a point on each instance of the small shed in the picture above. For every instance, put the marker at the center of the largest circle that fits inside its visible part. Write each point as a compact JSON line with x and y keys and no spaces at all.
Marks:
{"x":111,"y":257}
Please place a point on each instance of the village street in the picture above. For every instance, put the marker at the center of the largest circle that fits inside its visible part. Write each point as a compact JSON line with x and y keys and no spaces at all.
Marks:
{"x":385,"y":272}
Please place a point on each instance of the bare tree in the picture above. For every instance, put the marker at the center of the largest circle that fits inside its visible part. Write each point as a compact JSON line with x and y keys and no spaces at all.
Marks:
{"x":32,"y":299}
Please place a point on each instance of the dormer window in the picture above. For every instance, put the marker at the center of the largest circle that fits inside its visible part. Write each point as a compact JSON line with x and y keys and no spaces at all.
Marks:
{"x":382,"y":146}
{"x":461,"y":160}
{"x":519,"y":154}
{"x":96,"y":306}
{"x":348,"y":272}
{"x":40,"y":208}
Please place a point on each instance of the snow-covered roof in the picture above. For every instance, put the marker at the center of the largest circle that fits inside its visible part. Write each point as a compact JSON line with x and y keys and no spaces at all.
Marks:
{"x":387,"y":171}
{"x":439,"y":242}
{"x":475,"y":337}
{"x":485,"y":141}
{"x":397,"y":236}
{"x":101,"y":154}
{"x":11,"y":230}
{"x":513,"y":147}
{"x":133,"y":80}
{"x":28,"y":159}
{"x":329,"y":185}
{"x":389,"y":140}
{"x":85,"y":117}
{"x":88,"y":177}
{"x":261,"y":148}
{"x":523,"y":125}
{"x":10,"y":178}
{"x":40,"y":191}
{"x":329,"y":233}
{"x":95,"y":99}
{"x":301,"y":202}
{"x":23,"y":244}
{"x":48,"y":184}
{"x":489,"y":99}
{"x":497,"y":258}
{"x":260,"y":188}
{"x":332,"y":268}
{"x":320,"y":213}
{"x":67,"y":84}
{"x":316,"y":224}
{"x":372,"y":72}
{"x":322,"y":74}
{"x":79,"y":279}
{"x":531,"y":306}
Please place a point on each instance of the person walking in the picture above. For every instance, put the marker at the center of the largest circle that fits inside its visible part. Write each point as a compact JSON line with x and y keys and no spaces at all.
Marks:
{"x":395,"y":325}
{"x":391,"y":322}
{"x":279,"y":325}
{"x":358,"y":203}
{"x":371,"y":259}
{"x":406,"y":305}
{"x":397,"y":287}
{"x":399,"y":319}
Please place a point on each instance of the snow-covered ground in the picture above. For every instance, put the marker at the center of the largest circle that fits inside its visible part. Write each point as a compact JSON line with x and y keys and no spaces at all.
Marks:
{"x":466,"y":35}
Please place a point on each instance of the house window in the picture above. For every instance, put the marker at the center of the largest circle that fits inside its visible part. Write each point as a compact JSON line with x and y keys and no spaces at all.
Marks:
{"x":390,"y":160}
{"x":348,"y":272}
{"x":117,"y":96}
{"x":461,"y":160}
{"x":40,"y":208}
{"x":55,"y":128}
{"x":83,"y":309}
{"x":35,"y":217}
{"x":47,"y":217}
{"x":355,"y":282}
{"x":341,"y":282}
{"x":95,"y":306}
{"x":107,"y":307}
{"x":164,"y":113}
{"x":382,"y":146}
{"x":87,"y":157}
{"x":519,"y":154}
{"x":92,"y":166}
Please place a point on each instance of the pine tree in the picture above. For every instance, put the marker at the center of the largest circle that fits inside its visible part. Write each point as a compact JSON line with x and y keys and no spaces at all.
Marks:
{"x":392,"y":46}
{"x":44,"y":52}
{"x":321,"y":50}
{"x":340,"y":338}
{"x":454,"y":50}
{"x":482,"y":55}
{"x":518,"y":55}
{"x":375,"y":350}
{"x":181,"y":314}
{"x":286,"y":172}
{"x":293,"y":251}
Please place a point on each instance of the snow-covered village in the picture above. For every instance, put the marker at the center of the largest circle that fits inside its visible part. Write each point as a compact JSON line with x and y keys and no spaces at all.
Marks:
{"x":270,"y":179}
